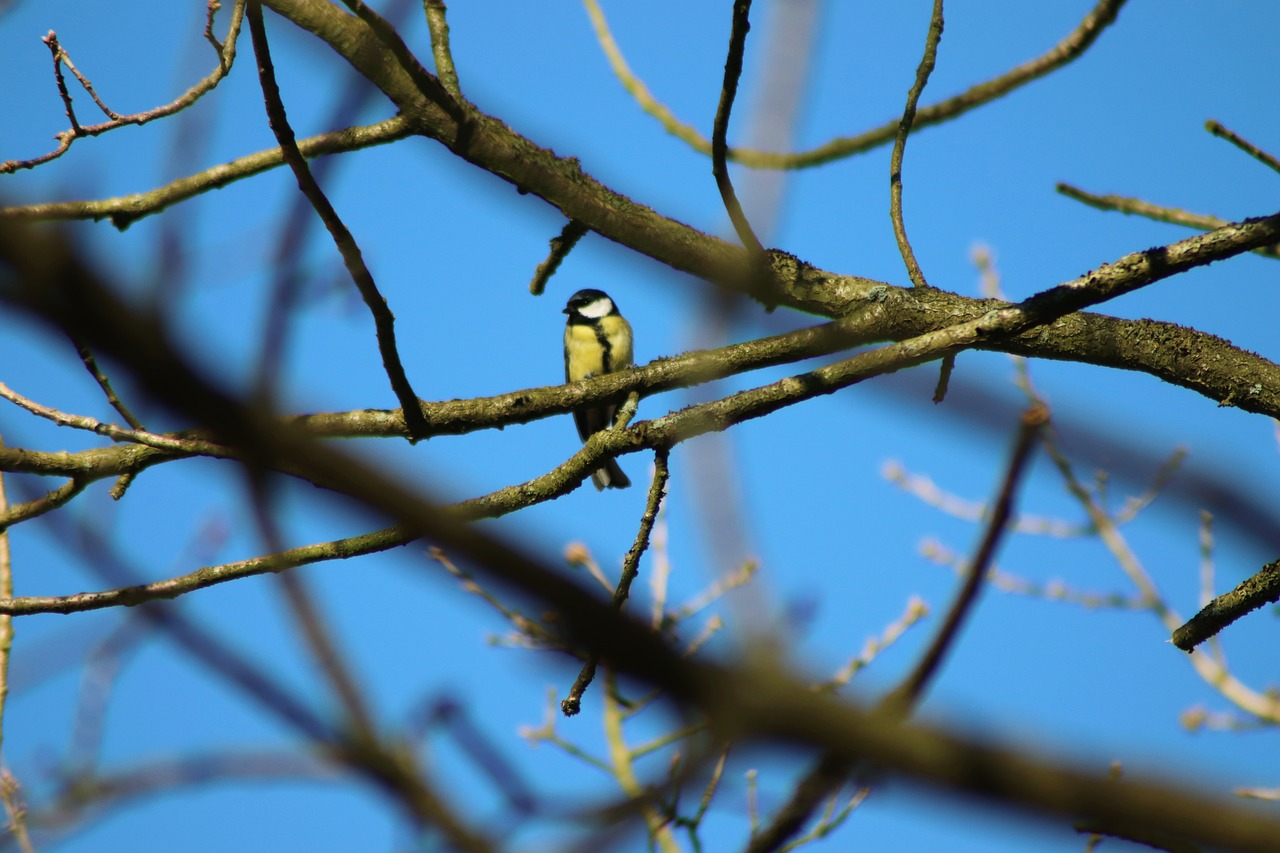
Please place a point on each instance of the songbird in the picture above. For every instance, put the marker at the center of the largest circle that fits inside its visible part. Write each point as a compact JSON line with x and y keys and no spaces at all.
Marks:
{"x":597,"y":340}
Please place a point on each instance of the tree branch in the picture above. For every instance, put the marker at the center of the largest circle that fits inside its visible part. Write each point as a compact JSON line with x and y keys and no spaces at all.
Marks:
{"x":925,"y":68}
{"x":383,"y":319}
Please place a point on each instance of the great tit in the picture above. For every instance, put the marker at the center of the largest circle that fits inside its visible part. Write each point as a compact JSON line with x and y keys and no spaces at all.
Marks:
{"x":597,"y":340}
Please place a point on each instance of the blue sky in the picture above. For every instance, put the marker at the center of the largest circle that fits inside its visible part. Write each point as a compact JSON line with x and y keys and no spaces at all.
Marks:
{"x":453,"y":248}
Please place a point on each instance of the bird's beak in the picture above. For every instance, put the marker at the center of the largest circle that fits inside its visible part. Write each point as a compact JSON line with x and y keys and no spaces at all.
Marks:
{"x":567,"y":311}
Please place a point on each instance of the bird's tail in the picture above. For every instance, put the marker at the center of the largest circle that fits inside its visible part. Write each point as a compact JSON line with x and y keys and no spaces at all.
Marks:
{"x":610,"y":476}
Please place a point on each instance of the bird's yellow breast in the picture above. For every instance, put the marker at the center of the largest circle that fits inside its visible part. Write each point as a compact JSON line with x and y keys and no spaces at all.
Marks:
{"x":583,"y":354}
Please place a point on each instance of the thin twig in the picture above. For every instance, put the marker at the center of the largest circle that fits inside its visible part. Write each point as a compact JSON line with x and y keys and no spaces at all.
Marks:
{"x":535,"y":632}
{"x":1171,"y":215}
{"x":438,"y":26}
{"x":623,"y":770}
{"x":289,"y":248}
{"x":384,"y":320}
{"x":900,"y":144}
{"x":133,"y":594}
{"x":572,"y":703}
{"x":427,"y":83}
{"x":729,"y":90}
{"x":825,"y":778}
{"x":174,"y":444}
{"x":1071,"y":47}
{"x":124,"y":210}
{"x":91,"y":364}
{"x":1243,"y":144}
{"x":60,"y":55}
{"x":944,"y":378}
{"x":561,"y":246}
{"x":226,"y":56}
{"x":1052,"y":590}
{"x":64,"y":140}
{"x":916,"y":610}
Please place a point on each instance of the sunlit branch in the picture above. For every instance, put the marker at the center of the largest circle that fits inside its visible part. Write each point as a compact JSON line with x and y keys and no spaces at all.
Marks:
{"x":630,"y":569}
{"x":226,"y":56}
{"x":925,"y":68}
{"x":561,"y":246}
{"x":383,"y":319}
{"x":728,"y":91}
{"x":1071,"y":47}
{"x":124,"y":210}
{"x":438,"y":26}
{"x":1159,"y":213}
{"x":1261,"y":589}
{"x":1243,"y":144}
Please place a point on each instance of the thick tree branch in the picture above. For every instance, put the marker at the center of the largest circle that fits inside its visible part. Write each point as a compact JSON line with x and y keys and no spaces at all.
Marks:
{"x":1257,"y":591}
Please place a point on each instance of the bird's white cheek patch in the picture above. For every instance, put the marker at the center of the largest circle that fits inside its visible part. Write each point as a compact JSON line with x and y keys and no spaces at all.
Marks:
{"x":596,"y":309}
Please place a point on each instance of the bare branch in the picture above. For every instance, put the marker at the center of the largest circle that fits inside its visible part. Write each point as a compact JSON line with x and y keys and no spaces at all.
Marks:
{"x":900,"y":144}
{"x":1172,"y":215}
{"x":561,"y":246}
{"x":1268,"y":160}
{"x":630,"y":569}
{"x":732,"y":71}
{"x":91,"y":364}
{"x":1261,"y":589}
{"x":123,"y":211}
{"x":383,"y":319}
{"x":438,"y":26}
{"x":1070,"y":48}
{"x":226,"y":56}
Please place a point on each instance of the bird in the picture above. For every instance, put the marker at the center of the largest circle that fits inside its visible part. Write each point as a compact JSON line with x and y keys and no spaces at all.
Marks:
{"x":597,"y":340}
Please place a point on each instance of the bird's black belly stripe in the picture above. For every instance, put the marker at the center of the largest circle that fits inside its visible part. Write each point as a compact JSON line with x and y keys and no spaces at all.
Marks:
{"x":606,"y":349}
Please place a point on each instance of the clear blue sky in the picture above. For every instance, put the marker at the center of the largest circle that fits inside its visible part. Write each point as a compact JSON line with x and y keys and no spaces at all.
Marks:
{"x":453,"y":249}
